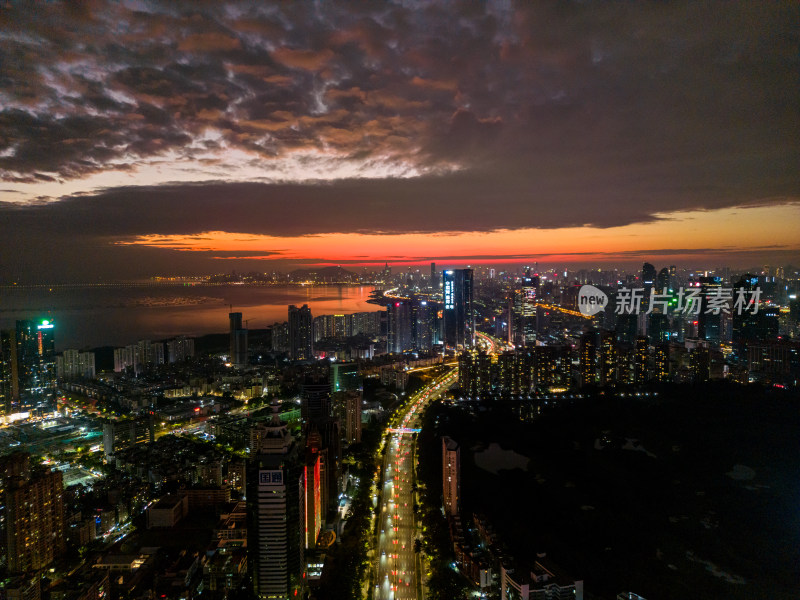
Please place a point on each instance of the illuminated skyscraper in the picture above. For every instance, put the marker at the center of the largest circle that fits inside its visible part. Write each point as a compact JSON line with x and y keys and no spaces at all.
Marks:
{"x":588,"y":358}
{"x":607,"y":359}
{"x":662,"y":362}
{"x":301,"y":333}
{"x":9,"y":375}
{"x":459,"y":315}
{"x":640,"y":360}
{"x":451,"y":476}
{"x":29,"y":363}
{"x":276,"y":505}
{"x":399,"y":330}
{"x":238,"y":341}
{"x":34,"y":515}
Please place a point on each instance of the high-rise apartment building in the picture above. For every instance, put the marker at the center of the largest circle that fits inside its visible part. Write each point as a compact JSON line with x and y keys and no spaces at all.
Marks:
{"x":180,"y":349}
{"x":640,"y":360}
{"x":73,"y":364}
{"x":34,"y":515}
{"x":451,"y":476}
{"x":588,"y":358}
{"x":301,"y":333}
{"x":351,"y":417}
{"x":138,"y":356}
{"x":399,"y":332}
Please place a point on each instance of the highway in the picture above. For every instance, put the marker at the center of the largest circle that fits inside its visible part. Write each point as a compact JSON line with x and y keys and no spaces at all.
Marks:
{"x":398,"y":570}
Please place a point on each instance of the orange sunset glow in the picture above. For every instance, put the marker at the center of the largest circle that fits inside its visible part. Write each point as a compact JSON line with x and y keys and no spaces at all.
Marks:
{"x":718,"y":234}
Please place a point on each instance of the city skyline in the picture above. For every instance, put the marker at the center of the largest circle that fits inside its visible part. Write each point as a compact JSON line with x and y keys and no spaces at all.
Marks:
{"x":153,"y":138}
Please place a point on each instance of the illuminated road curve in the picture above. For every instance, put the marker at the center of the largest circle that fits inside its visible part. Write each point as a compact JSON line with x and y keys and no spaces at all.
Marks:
{"x":398,"y":576}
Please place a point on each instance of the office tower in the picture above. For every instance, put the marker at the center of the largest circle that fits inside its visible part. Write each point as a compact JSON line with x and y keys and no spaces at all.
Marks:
{"x":238,"y":341}
{"x":658,"y":328}
{"x":276,"y":506}
{"x":700,"y":363}
{"x":640,"y":360}
{"x":180,"y":349}
{"x":321,"y":430}
{"x":434,"y":276}
{"x":607,"y":359}
{"x":118,"y":435}
{"x":451,"y":476}
{"x":344,"y":377}
{"x":301,"y":333}
{"x":399,"y":330}
{"x":35,"y":359}
{"x":588,"y":358}
{"x":663,"y":280}
{"x":709,"y":326}
{"x":312,"y":485}
{"x":459,"y":316}
{"x":626,"y":328}
{"x":34,"y":515}
{"x":648,"y":281}
{"x":648,"y":275}
{"x":315,"y":398}
{"x":73,"y":364}
{"x":9,"y":374}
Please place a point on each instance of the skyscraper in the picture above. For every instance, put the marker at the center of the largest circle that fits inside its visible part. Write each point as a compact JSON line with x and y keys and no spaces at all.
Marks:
{"x":451,"y":476}
{"x":607,"y":359}
{"x":276,"y":506}
{"x":301,"y":333}
{"x":34,"y":515}
{"x":321,"y":431}
{"x":399,"y":330}
{"x":434,"y":276}
{"x":352,"y":417}
{"x":29,"y":363}
{"x":238,"y":341}
{"x":459,"y":316}
{"x":423,"y":323}
{"x":640,"y":360}
{"x":9,"y":374}
{"x":588,"y":358}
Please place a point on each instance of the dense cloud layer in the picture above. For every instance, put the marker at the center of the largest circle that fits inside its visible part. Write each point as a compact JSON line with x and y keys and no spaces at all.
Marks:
{"x":423,"y":116}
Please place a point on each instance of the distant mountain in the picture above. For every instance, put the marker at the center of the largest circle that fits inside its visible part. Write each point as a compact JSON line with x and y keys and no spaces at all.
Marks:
{"x":323,"y":274}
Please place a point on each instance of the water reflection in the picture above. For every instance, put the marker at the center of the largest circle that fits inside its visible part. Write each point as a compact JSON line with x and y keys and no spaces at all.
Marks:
{"x":96,"y":316}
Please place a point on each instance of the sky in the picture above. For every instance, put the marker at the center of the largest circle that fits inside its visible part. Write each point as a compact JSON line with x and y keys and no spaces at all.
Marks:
{"x":161,"y":138}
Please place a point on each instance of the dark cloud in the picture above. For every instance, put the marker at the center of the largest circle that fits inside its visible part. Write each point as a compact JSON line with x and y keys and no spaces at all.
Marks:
{"x":528,"y":114}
